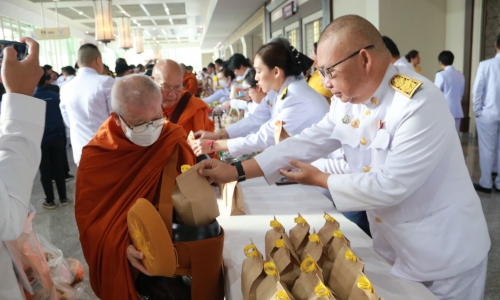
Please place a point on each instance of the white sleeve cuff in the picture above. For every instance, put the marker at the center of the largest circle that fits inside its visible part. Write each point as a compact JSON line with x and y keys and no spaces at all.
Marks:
{"x":23,"y":108}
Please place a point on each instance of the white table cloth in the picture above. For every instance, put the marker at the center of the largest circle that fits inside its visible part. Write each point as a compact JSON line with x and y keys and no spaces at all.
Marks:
{"x":263,"y":201}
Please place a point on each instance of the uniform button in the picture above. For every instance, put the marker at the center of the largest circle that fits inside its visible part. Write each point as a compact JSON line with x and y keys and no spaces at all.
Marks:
{"x":355,"y":123}
{"x":374,"y":100}
{"x":378,"y":220}
{"x":363,"y":141}
{"x":366,"y":169}
{"x":367,"y":113}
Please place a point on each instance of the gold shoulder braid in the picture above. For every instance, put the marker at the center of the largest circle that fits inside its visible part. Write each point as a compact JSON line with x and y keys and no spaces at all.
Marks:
{"x":283,"y":93}
{"x":405,"y":85}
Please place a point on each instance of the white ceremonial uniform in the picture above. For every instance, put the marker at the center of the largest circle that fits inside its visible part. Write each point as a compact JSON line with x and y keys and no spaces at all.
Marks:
{"x":21,"y":123}
{"x":452,"y":83}
{"x":222,"y":93}
{"x":298,"y":106}
{"x":85,"y":105}
{"x":70,"y":77}
{"x":486,"y":99}
{"x":409,"y":175}
{"x":239,"y":79}
{"x":403,"y":63}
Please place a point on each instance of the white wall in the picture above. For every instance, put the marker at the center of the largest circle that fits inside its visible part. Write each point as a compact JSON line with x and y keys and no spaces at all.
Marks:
{"x":476,"y":56}
{"x":455,"y":24}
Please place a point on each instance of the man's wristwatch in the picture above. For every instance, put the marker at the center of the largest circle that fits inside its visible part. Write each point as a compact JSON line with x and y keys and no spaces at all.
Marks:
{"x":241,"y":173}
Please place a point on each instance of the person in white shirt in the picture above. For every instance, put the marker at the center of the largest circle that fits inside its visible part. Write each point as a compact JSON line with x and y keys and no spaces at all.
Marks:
{"x":86,"y":100}
{"x":22,"y":124}
{"x":240,"y":66}
{"x":225,"y":78}
{"x":452,"y":84}
{"x":407,"y":166}
{"x":298,"y":106}
{"x":68,"y":73}
{"x":397,"y":60}
{"x":211,"y":70}
{"x":486,"y":99}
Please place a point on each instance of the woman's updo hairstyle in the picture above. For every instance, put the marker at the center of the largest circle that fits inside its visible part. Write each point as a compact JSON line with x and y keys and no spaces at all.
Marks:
{"x":250,"y":78}
{"x":278,"y":55}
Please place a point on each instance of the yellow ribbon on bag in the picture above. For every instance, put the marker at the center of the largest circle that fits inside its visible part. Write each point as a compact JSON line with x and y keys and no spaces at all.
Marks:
{"x":338,"y":234}
{"x":350,"y":256}
{"x":279,"y":243}
{"x":275,"y":224}
{"x":300,"y":220}
{"x":184,"y":168}
{"x":281,"y":295}
{"x":321,"y":290}
{"x":308,"y":265}
{"x":364,"y":284}
{"x":329,"y":218}
{"x":250,"y":250}
{"x":270,"y":268}
{"x":314,"y":238}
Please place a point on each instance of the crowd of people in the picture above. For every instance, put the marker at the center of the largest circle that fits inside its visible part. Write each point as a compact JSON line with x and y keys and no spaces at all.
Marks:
{"x":385,"y":151}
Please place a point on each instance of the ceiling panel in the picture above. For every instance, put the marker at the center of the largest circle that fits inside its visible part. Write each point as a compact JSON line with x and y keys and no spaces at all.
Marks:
{"x":69,"y":13}
{"x":134,"y":10}
{"x":155,"y":9}
{"x":162,"y":22}
{"x":144,"y":23}
{"x":177,"y":8}
{"x":89,"y":24}
{"x":179,"y":21}
{"x":38,"y":1}
{"x":88,"y":10}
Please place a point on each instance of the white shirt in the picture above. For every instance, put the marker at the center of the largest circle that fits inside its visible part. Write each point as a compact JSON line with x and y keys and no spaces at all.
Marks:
{"x":222,"y":93}
{"x":299,"y":108}
{"x":486,"y":90}
{"x":424,"y":213}
{"x":60,"y":79}
{"x":21,"y":128}
{"x":70,"y":77}
{"x":239,"y":79}
{"x":85,"y":105}
{"x":402,"y":62}
{"x":452,"y":83}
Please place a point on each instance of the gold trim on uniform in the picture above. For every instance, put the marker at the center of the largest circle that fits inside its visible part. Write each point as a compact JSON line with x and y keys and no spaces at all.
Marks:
{"x":374,"y":101}
{"x":283,"y":93}
{"x":366,"y":169}
{"x":378,"y":220}
{"x":355,"y":123}
{"x":404,"y":84}
{"x":363,"y":141}
{"x":367,"y":113}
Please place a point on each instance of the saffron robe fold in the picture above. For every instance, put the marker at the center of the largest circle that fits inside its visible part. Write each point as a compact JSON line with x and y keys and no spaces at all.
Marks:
{"x":114,"y":173}
{"x":195,"y":115}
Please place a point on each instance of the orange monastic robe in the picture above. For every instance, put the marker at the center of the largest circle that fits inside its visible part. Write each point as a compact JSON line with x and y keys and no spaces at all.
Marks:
{"x":190,"y":83}
{"x":112,"y":175}
{"x":195,"y":115}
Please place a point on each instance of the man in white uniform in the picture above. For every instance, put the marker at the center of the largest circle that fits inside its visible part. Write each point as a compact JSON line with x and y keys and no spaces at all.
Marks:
{"x":396,"y":59}
{"x":486,"y":99}
{"x":451,"y":83}
{"x":86,"y":100}
{"x":407,"y":167}
{"x":21,"y":128}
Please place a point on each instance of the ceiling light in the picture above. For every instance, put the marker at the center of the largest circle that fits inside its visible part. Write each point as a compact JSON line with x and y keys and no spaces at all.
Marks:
{"x":139,"y":24}
{"x":123,"y":26}
{"x":104,"y":21}
{"x":154,"y":28}
{"x":138,"y":40}
{"x":157,"y":42}
{"x":154,"y":39}
{"x":134,"y":20}
{"x":80,"y":13}
{"x":171,"y":22}
{"x":86,"y":32}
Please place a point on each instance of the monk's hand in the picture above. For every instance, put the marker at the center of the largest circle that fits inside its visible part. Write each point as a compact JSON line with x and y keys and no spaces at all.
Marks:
{"x":202,"y":146}
{"x":21,"y":77}
{"x":206,"y":135}
{"x":306,"y":174}
{"x":217,"y":171}
{"x":135,"y":258}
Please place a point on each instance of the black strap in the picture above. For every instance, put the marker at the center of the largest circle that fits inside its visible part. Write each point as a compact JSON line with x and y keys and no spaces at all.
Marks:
{"x":183,"y":102}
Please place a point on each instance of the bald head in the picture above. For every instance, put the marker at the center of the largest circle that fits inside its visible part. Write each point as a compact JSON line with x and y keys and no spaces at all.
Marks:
{"x":135,"y":98}
{"x":167,"y":69}
{"x":168,"y":74}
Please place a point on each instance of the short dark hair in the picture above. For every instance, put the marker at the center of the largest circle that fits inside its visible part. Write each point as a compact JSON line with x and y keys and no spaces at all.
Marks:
{"x":121,"y":68}
{"x":278,"y":55}
{"x":189,"y":68}
{"x":446,"y":58}
{"x":412,"y":54}
{"x":140,"y":66}
{"x":69,"y":70}
{"x":47,"y":67}
{"x":227,"y":73}
{"x":315,"y":48}
{"x":211,"y":65}
{"x":236,"y":61}
{"x":88,"y":53}
{"x":44,"y":78}
{"x":250,"y":78}
{"x":219,"y":61}
{"x":120,"y":60}
{"x":391,"y":46}
{"x":150,"y":66}
{"x":132,"y":66}
{"x":204,"y":69}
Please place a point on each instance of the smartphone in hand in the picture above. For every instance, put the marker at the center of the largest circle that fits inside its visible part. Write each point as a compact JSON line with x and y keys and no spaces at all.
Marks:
{"x":22,"y":49}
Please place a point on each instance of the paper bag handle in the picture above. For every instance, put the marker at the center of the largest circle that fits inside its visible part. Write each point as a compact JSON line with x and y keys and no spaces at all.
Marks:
{"x":166,"y":207}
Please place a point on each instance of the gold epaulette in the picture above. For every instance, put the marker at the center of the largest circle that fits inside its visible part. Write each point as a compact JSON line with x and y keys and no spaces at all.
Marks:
{"x":283,"y":93}
{"x":404,"y":84}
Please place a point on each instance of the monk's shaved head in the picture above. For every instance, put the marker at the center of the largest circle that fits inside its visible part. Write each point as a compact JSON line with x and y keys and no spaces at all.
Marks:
{"x":169,"y":74}
{"x":135,"y":94}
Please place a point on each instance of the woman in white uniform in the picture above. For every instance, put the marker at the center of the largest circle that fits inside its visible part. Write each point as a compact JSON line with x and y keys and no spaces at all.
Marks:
{"x":225,"y":78}
{"x":298,"y":106}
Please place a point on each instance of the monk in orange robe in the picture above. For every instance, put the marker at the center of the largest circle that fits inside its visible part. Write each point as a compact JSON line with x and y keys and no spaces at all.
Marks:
{"x":180,"y":106}
{"x":117,"y":167}
{"x":189,"y":80}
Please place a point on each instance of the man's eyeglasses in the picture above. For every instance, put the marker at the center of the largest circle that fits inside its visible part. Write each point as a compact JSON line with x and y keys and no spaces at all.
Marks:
{"x":169,"y":89}
{"x":327,"y":72}
{"x":141,"y":128}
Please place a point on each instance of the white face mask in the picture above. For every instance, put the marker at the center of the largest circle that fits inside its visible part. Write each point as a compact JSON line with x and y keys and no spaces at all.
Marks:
{"x":145,"y":138}
{"x":223,"y":84}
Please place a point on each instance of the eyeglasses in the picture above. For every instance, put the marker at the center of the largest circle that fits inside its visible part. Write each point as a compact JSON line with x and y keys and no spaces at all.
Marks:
{"x":169,"y":89}
{"x":328,"y":71}
{"x":141,"y":128}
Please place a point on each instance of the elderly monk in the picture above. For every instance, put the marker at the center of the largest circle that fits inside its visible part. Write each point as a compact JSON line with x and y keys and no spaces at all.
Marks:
{"x":189,"y":80}
{"x":407,"y":166}
{"x":180,"y":106}
{"x":122,"y":163}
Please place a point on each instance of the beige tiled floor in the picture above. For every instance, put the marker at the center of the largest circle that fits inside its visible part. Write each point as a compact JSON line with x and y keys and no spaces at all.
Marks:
{"x":59,"y":227}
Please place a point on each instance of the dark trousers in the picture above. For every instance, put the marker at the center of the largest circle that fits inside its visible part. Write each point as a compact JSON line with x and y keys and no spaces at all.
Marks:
{"x":52,"y":166}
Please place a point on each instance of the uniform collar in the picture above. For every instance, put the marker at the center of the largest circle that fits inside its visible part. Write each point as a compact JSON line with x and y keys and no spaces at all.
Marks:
{"x":497,"y":56}
{"x":449,"y":67}
{"x":285,"y":85}
{"x":379,"y":94}
{"x":86,"y":70}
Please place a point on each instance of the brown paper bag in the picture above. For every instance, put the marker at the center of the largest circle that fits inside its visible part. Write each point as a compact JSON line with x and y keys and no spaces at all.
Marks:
{"x":232,"y":195}
{"x":252,"y":272}
{"x":325,"y":233}
{"x":194,"y":199}
{"x":268,"y":286}
{"x":336,"y":244}
{"x":277,"y":232}
{"x":282,"y":293}
{"x":308,"y":279}
{"x":287,"y":262}
{"x":321,"y":292}
{"x":315,"y":248}
{"x":363,"y":289}
{"x":299,"y":234}
{"x":279,"y":132}
{"x":346,"y":268}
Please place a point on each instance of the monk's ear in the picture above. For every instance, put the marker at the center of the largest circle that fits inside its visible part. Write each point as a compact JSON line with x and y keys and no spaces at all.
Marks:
{"x":116,"y":118}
